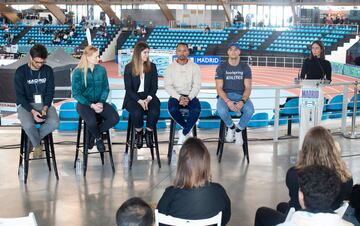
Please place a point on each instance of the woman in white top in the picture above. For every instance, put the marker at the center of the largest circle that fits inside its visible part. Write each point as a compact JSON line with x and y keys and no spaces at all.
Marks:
{"x":141,"y":84}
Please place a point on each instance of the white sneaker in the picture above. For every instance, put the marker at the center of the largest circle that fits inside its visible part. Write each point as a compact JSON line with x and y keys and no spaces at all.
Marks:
{"x":230,"y":135}
{"x":182,"y":137}
{"x":238,"y":138}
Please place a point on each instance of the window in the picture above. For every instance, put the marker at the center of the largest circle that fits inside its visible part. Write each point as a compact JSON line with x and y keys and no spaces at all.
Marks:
{"x":149,"y":6}
{"x":175,"y":6}
{"x":117,"y":10}
{"x":62,"y":6}
{"x":260,"y":14}
{"x":195,"y":6}
{"x":266,"y":15}
{"x":126,"y":7}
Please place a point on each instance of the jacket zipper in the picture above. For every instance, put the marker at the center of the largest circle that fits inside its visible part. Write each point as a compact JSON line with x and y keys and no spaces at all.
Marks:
{"x":92,"y":74}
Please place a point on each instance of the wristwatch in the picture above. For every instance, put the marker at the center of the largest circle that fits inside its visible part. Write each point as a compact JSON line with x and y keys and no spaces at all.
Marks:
{"x":244,"y":101}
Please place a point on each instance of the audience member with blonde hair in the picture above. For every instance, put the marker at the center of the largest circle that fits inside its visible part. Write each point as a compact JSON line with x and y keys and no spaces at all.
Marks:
{"x":90,"y":87}
{"x":193,"y":195}
{"x":319,"y":149}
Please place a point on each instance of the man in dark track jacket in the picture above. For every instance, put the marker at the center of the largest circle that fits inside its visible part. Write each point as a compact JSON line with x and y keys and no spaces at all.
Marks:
{"x":35,"y":88}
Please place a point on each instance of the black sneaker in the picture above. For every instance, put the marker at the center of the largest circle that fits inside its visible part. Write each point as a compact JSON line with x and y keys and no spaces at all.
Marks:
{"x":149,"y":138}
{"x":139,"y":139}
{"x":91,"y":141}
{"x":100,"y":145}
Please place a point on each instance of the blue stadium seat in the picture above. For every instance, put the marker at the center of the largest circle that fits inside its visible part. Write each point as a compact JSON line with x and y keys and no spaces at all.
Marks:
{"x":69,"y":117}
{"x":259,"y":120}
{"x":207,"y":119}
{"x":334,"y":108}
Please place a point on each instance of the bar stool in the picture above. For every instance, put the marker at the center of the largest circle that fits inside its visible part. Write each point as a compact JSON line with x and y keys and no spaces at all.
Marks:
{"x":184,"y":112}
{"x":222,"y":141}
{"x":25,"y":153}
{"x":130,"y":143}
{"x":85,"y":151}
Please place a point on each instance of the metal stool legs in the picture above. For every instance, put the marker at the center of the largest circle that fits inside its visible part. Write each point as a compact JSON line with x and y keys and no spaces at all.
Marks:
{"x":25,"y":154}
{"x":222,"y":141}
{"x":86,"y":137}
{"x":130,"y":143}
{"x":172,"y":138}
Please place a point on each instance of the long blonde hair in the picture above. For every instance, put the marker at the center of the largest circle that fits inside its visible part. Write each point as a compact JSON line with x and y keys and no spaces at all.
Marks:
{"x":193,"y":168}
{"x":136,"y":60}
{"x":83,"y":64}
{"x":319,"y":149}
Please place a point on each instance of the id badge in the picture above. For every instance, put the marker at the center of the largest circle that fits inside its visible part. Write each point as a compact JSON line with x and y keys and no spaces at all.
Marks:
{"x":37,"y":99}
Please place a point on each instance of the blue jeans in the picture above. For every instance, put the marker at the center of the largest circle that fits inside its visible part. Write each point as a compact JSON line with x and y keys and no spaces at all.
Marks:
{"x":194,"y":113}
{"x":224,"y":112}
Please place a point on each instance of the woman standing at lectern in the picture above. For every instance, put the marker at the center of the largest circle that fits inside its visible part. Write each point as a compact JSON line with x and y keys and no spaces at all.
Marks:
{"x":316,"y":67}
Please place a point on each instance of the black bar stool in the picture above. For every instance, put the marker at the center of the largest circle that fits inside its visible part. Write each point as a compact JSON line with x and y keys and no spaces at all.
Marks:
{"x":222,"y":141}
{"x":184,"y":112}
{"x":25,"y":153}
{"x":86,"y":137}
{"x":130,"y":143}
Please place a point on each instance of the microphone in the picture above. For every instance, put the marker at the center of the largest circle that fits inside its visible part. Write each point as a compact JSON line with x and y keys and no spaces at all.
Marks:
{"x":323,"y":77}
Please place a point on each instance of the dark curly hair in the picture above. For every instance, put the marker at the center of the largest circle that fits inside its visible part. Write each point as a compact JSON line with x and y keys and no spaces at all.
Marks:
{"x":320,"y":186}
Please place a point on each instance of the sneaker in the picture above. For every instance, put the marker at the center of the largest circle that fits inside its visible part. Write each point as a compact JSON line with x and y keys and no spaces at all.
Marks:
{"x":37,"y":151}
{"x":230,"y":135}
{"x":182,"y":137}
{"x":149,"y":138}
{"x":100,"y":145}
{"x":139,"y":139}
{"x":91,"y":141}
{"x":238,"y":138}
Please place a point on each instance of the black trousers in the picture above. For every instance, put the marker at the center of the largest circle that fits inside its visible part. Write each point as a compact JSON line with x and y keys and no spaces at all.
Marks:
{"x":137,"y":113}
{"x":268,"y":217}
{"x":109,"y":118}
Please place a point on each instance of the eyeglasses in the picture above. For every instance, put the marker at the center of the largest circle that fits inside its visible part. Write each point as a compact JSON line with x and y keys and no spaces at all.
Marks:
{"x":39,"y":62}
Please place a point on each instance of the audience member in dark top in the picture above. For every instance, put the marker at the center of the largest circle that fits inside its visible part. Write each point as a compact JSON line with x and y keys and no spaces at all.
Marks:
{"x":50,"y":18}
{"x":141,"y":85}
{"x":318,"y":188}
{"x":319,"y":148}
{"x":207,"y":30}
{"x":316,"y":67}
{"x":134,"y":211}
{"x":112,"y":21}
{"x":193,"y":195}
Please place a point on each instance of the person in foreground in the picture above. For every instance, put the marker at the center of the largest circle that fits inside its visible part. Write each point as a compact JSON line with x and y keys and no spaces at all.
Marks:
{"x":319,"y":148}
{"x":319,"y":188}
{"x":90,"y":87}
{"x":134,"y":212}
{"x":193,"y":195}
{"x":35,"y":88}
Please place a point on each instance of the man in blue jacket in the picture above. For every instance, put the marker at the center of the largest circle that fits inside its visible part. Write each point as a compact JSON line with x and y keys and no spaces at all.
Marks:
{"x":35,"y":88}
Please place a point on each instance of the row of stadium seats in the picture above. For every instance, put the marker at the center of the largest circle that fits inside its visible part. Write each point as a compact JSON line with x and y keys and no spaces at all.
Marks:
{"x":296,"y":37}
{"x":13,"y":30}
{"x":209,"y":118}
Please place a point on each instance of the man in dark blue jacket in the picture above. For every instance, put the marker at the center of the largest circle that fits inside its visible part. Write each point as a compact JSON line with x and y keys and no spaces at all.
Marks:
{"x":35,"y":88}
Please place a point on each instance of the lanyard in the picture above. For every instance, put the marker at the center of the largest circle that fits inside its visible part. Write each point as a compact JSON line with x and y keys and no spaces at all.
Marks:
{"x":36,"y":83}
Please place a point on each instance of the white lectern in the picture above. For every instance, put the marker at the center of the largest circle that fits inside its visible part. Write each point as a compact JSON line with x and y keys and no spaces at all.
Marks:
{"x":311,"y":105}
